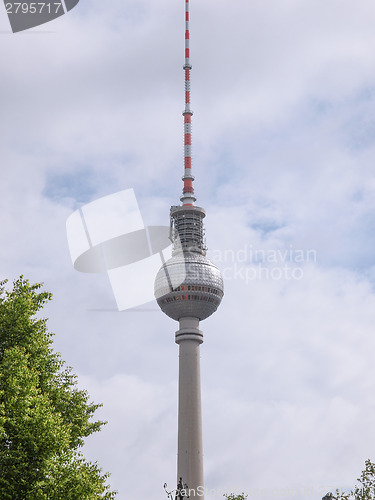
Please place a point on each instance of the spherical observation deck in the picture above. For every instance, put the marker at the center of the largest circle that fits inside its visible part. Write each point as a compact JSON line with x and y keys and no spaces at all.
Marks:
{"x":188,"y":285}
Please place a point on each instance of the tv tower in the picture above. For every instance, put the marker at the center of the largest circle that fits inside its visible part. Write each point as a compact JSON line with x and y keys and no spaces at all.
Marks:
{"x":188,"y":289}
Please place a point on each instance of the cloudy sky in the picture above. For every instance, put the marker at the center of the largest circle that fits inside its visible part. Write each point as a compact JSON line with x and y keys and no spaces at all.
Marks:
{"x":284,"y":149}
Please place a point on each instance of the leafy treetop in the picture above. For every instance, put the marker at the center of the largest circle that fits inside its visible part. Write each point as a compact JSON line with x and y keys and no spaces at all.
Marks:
{"x":232,"y":496}
{"x":365,"y":490}
{"x":44,"y":417}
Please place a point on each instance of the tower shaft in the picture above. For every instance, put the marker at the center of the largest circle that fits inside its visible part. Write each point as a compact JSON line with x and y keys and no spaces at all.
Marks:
{"x":190,"y":449}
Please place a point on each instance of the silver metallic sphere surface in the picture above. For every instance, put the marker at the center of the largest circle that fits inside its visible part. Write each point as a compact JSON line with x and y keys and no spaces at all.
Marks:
{"x":188,"y":285}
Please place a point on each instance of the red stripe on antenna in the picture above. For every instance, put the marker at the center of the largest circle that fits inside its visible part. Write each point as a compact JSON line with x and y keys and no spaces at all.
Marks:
{"x":188,"y":197}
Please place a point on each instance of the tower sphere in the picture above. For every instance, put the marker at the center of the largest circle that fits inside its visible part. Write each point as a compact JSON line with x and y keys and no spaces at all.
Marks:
{"x":188,"y":285}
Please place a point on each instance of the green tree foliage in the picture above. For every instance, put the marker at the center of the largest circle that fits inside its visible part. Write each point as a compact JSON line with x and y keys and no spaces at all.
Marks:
{"x":365,"y":490}
{"x":232,"y":496}
{"x":44,"y":417}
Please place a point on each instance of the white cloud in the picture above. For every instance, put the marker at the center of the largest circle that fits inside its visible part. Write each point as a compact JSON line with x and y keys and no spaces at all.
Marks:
{"x":283,"y":156}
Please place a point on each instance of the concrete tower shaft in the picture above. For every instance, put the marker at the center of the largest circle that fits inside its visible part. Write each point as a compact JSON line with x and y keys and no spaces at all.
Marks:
{"x":190,"y":447}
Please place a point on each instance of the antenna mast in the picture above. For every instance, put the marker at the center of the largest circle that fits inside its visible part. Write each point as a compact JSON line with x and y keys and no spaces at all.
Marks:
{"x":187,"y":197}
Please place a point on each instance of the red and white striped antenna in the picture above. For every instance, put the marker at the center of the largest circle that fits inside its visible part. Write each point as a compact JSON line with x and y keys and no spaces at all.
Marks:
{"x":187,"y":197}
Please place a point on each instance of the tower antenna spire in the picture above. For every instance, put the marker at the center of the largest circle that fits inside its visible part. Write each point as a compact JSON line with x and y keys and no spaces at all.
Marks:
{"x":187,"y":197}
